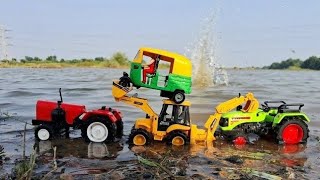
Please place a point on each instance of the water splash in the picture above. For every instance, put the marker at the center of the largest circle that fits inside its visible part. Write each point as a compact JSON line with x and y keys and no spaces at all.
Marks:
{"x":206,"y":71}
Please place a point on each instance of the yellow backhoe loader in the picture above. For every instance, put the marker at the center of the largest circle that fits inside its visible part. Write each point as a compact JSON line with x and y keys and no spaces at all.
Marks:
{"x":173,"y":123}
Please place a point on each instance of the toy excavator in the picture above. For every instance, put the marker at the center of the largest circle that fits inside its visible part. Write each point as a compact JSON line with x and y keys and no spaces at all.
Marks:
{"x":173,"y":124}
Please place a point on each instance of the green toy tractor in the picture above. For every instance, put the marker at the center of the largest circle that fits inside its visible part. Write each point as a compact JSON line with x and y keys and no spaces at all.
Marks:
{"x":286,"y":122}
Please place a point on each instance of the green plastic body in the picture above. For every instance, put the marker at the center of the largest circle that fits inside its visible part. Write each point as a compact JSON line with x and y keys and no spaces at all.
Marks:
{"x":159,"y":82}
{"x":235,"y":118}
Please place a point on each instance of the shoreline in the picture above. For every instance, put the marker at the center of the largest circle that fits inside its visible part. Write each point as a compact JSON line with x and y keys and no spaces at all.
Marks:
{"x":55,"y":65}
{"x":61,"y":65}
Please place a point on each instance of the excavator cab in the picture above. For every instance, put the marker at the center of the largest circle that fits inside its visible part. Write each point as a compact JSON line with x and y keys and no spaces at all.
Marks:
{"x":173,"y":114}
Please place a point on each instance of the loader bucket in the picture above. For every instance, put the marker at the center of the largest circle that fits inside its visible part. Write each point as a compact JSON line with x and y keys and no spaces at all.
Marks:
{"x":119,"y":91}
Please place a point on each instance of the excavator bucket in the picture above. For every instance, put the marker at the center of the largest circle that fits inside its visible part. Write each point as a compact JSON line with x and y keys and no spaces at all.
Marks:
{"x":119,"y":91}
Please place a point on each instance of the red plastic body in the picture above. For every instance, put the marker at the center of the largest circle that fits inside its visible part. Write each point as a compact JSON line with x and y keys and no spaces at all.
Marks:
{"x":73,"y":111}
{"x":44,"y":109}
{"x":117,"y":114}
{"x":100,"y":112}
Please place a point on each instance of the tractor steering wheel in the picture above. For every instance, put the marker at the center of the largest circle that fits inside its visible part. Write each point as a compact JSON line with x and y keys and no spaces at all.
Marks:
{"x":265,"y":108}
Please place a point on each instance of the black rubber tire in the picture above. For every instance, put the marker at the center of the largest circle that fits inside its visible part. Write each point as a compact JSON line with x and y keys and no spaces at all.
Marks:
{"x":285,"y":123}
{"x":67,"y":132}
{"x":104,"y":120}
{"x":178,"y":97}
{"x":48,"y":127}
{"x":173,"y":134}
{"x":143,"y":132}
{"x":119,"y":125}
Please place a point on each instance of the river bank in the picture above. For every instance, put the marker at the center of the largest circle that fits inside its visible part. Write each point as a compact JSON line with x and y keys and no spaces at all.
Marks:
{"x":85,"y":64}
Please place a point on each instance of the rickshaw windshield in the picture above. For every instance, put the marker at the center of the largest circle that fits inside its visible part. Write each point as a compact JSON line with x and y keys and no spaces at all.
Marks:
{"x":137,"y":55}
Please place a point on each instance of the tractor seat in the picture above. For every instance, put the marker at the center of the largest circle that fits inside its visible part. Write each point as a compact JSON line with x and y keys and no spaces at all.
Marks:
{"x":289,"y":111}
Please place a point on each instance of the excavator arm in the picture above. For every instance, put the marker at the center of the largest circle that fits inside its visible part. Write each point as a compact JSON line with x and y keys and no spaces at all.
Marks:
{"x":212,"y":123}
{"x":120,"y":94}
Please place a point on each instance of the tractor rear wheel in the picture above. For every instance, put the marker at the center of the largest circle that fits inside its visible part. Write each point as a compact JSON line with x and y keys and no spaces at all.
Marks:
{"x":99,"y":129}
{"x":139,"y":137}
{"x":292,"y":132}
{"x":44,"y":132}
{"x":119,"y":125}
{"x":177,"y":138}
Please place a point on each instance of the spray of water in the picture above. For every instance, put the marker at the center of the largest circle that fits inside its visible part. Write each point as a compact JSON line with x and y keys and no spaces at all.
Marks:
{"x":206,"y":71}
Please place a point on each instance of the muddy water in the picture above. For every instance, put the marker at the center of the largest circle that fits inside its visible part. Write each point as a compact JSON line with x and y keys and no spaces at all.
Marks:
{"x":20,"y":88}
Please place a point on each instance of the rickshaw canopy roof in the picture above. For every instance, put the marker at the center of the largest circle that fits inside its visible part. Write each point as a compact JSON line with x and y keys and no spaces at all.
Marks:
{"x":180,"y":64}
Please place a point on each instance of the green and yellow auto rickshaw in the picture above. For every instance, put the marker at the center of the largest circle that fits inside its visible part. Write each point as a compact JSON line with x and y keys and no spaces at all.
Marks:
{"x":173,"y":82}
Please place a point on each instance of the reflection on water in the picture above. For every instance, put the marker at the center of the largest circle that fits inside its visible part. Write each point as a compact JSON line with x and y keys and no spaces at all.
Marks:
{"x":97,"y":150}
{"x":290,"y":155}
{"x":78,"y":148}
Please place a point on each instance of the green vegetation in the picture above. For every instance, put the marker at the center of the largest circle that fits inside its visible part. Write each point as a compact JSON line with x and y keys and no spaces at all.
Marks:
{"x":312,"y":62}
{"x":117,"y":60}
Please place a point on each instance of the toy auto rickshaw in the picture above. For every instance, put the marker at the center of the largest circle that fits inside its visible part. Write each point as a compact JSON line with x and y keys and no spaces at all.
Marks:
{"x":173,"y":83}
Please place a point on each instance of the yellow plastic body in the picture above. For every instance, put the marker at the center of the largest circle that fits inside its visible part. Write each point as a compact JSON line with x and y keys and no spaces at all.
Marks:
{"x":181,"y":65}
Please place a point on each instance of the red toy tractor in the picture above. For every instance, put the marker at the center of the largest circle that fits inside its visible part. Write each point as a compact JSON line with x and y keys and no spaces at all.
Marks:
{"x":54,"y":118}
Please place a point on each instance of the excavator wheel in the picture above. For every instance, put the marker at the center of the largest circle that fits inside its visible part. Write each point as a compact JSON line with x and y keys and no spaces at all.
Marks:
{"x":139,"y":137}
{"x":177,"y":138}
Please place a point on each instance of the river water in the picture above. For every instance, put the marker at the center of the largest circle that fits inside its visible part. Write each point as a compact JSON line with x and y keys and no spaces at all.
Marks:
{"x":20,"y":89}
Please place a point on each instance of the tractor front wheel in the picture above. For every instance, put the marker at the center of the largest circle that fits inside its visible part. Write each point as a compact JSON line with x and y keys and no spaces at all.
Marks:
{"x":44,"y":132}
{"x":99,"y":129}
{"x":292,"y":132}
{"x":240,"y":140}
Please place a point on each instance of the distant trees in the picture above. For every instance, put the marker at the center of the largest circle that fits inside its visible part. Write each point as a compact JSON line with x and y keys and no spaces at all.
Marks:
{"x":99,"y":59}
{"x":286,"y":64}
{"x":52,"y":58}
{"x":118,"y":59}
{"x":312,"y":62}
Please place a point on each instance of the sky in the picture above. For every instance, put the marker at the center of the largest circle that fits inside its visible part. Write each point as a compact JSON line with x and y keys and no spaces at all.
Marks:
{"x":246,"y":32}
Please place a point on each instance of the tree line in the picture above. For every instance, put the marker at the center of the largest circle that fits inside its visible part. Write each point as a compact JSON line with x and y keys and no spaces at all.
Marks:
{"x":118,"y":58}
{"x":312,"y":62}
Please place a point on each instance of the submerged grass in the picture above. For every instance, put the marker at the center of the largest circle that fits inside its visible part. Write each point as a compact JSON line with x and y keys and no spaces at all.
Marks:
{"x":24,"y":168}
